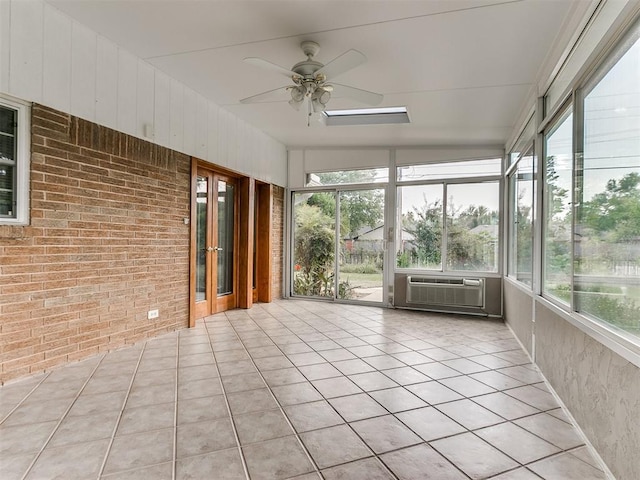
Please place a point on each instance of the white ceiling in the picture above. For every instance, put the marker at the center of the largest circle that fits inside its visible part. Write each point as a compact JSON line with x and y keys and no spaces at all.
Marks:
{"x":463,"y":68}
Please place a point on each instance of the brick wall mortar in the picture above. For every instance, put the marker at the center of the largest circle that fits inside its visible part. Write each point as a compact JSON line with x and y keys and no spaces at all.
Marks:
{"x":106,"y":244}
{"x":277,"y":241}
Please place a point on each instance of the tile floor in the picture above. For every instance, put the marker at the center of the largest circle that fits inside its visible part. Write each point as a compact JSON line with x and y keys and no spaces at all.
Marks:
{"x":301,"y":390}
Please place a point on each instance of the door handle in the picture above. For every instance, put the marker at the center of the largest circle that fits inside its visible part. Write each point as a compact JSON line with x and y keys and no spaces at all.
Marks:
{"x":213,"y":249}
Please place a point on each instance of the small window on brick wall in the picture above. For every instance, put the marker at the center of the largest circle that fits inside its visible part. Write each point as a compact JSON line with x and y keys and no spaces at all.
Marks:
{"x":14,"y":162}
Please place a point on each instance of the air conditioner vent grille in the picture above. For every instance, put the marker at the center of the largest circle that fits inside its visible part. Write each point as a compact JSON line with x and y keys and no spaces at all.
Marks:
{"x":463,"y":292}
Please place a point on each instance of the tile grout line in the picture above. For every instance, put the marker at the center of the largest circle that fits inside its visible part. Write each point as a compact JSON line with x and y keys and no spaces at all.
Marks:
{"x":373,"y":454}
{"x":226,"y":401}
{"x":126,"y":399}
{"x":284,"y":414}
{"x":461,"y":374}
{"x":175,"y":410}
{"x":25,"y":397}
{"x":64,"y":415}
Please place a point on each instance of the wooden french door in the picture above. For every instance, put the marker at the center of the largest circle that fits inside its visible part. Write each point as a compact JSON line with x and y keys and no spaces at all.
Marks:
{"x":215,"y":244}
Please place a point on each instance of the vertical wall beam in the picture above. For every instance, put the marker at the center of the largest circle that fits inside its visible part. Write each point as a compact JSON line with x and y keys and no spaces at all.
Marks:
{"x":264,"y":258}
{"x":245,"y":260}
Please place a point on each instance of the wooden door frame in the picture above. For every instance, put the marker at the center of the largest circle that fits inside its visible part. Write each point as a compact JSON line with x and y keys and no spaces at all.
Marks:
{"x":229,"y":301}
{"x":246,"y":219}
{"x":264,"y":257}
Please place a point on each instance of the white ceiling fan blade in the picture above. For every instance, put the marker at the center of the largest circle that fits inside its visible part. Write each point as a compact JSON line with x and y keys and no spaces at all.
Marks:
{"x":260,"y":62}
{"x":339,"y":65}
{"x":363,"y":96}
{"x":273,"y":95}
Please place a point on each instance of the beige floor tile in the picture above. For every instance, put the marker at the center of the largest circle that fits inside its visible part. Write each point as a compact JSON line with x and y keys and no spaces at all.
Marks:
{"x":469,"y":414}
{"x":79,"y":462}
{"x":296,"y":393}
{"x":134,"y":451}
{"x":334,"y":445}
{"x":473,"y":456}
{"x":384,"y":434}
{"x":279,"y":458}
{"x":336,"y":387}
{"x":397,"y":399}
{"x":516,"y":442}
{"x":226,"y":464}
{"x":312,"y":416}
{"x":260,"y":426}
{"x":557,"y":432}
{"x":367,"y":469}
{"x":566,"y":467}
{"x":204,"y":437}
{"x":357,"y":407}
{"x":421,"y":462}
{"x":429,"y":423}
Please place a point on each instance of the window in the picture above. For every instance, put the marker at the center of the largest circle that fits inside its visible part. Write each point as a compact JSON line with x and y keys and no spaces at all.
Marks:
{"x":442,"y":171}
{"x":607,"y":243}
{"x":472,"y":226}
{"x":557,"y":267}
{"x":521,"y":217}
{"x":14,"y":162}
{"x":419,"y":227}
{"x":341,"y":177}
{"x":523,"y":142}
{"x":467,"y":241}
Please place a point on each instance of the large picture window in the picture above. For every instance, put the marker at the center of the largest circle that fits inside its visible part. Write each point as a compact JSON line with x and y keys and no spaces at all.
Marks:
{"x":449,"y":223}
{"x":607,"y":243}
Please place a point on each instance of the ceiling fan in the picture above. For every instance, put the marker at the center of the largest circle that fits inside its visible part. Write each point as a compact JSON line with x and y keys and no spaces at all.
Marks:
{"x":311,"y":80}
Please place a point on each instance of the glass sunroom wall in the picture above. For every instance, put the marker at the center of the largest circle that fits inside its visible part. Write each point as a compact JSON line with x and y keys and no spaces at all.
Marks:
{"x":607,"y":245}
{"x":558,"y":212}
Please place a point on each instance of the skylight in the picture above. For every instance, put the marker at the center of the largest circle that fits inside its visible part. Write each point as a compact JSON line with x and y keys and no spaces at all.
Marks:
{"x":367,"y":116}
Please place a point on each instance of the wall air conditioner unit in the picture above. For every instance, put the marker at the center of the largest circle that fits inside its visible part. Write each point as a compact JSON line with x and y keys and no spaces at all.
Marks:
{"x":458,"y":292}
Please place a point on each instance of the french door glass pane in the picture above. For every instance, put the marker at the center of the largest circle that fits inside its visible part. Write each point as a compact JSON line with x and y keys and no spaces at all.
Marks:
{"x":472,"y":226}
{"x":314,"y":230}
{"x":558,"y":217}
{"x":362,"y":239}
{"x":201,"y":238}
{"x":225,"y":237}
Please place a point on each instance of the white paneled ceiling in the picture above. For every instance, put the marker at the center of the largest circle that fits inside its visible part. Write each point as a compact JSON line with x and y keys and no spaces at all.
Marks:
{"x":463,"y":68}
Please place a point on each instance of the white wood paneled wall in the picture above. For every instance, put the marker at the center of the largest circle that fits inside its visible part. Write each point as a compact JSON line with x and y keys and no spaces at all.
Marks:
{"x":48,"y":58}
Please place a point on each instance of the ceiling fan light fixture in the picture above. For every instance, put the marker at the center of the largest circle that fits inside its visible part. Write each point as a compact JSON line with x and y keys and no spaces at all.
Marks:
{"x":297,"y":93}
{"x":322,"y":95}
{"x":295,"y":104}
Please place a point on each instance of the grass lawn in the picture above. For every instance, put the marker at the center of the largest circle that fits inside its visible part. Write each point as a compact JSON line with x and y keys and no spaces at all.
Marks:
{"x":364,"y":280}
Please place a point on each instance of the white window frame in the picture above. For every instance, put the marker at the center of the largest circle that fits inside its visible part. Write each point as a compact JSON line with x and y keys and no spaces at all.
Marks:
{"x":23,"y":156}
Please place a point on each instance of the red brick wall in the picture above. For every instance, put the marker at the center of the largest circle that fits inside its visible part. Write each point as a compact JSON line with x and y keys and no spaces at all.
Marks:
{"x":277,"y":243}
{"x":106,"y":244}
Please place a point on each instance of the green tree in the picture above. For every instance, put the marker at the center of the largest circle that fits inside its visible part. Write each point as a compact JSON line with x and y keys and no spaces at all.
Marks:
{"x":358,"y":208}
{"x":425,"y":225}
{"x":615,"y":213}
{"x":313,"y":251}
